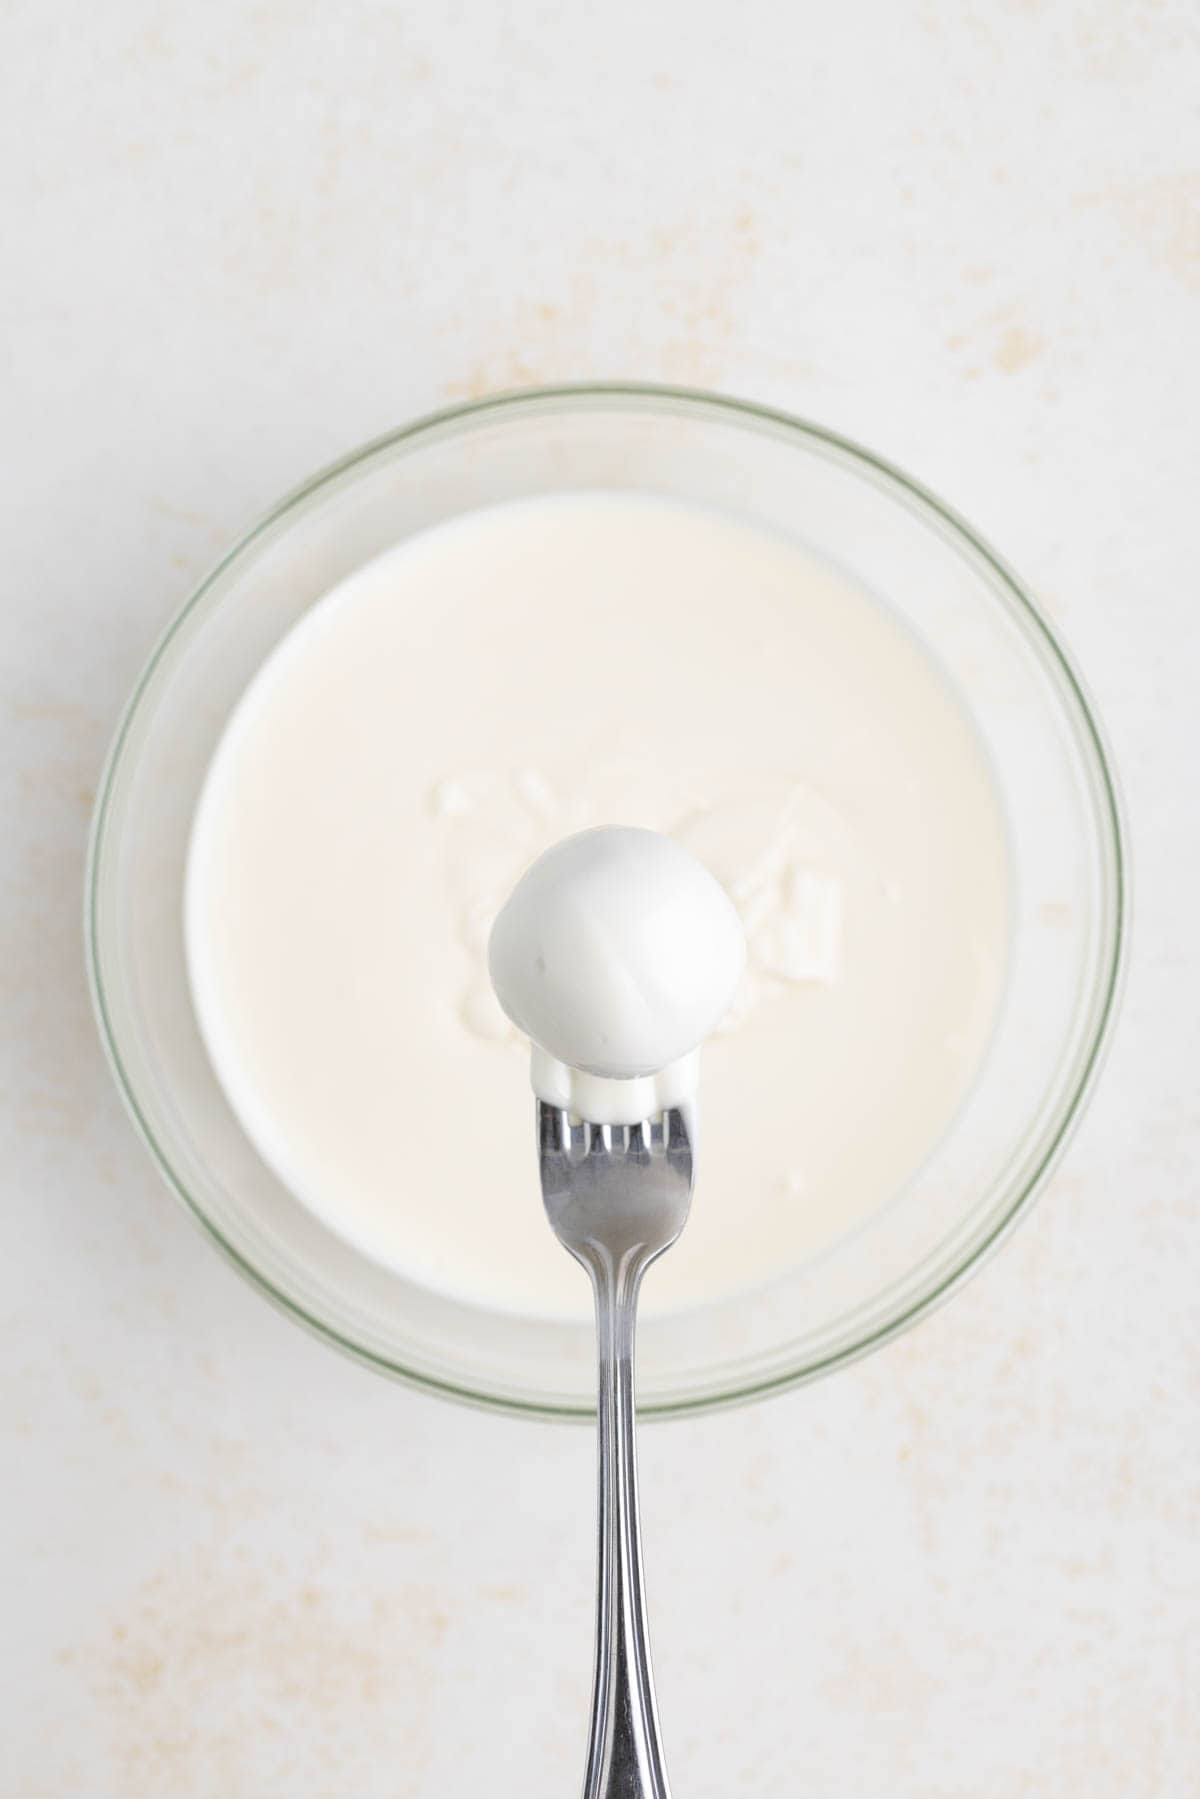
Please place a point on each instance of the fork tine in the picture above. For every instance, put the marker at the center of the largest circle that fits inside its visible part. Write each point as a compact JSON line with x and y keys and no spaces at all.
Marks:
{"x":675,"y":1129}
{"x":549,"y":1131}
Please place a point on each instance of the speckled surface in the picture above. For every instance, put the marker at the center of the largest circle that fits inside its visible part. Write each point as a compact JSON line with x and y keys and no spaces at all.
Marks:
{"x":239,"y":240}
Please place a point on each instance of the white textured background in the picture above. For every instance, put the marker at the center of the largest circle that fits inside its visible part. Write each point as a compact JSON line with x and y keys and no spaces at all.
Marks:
{"x":235,"y":241}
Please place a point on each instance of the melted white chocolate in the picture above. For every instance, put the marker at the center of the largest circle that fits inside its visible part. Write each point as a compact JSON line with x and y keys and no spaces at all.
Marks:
{"x":522,"y":673}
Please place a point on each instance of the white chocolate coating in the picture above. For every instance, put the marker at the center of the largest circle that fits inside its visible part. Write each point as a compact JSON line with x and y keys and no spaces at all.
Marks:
{"x":616,"y":955}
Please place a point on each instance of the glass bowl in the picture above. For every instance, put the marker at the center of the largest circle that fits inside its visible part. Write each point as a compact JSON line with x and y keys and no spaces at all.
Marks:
{"x":936,"y":575}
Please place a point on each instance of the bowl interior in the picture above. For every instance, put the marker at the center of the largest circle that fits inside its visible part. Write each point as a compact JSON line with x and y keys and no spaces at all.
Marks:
{"x":894,"y":539}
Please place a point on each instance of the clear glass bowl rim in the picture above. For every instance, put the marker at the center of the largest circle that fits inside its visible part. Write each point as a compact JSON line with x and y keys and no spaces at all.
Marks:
{"x":1103,"y":1000}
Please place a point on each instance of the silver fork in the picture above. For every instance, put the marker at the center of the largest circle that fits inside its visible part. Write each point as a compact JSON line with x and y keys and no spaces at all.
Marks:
{"x":617,"y":1196}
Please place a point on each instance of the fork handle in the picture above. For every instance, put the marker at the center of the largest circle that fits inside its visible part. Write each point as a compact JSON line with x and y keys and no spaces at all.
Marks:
{"x":625,"y":1758}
